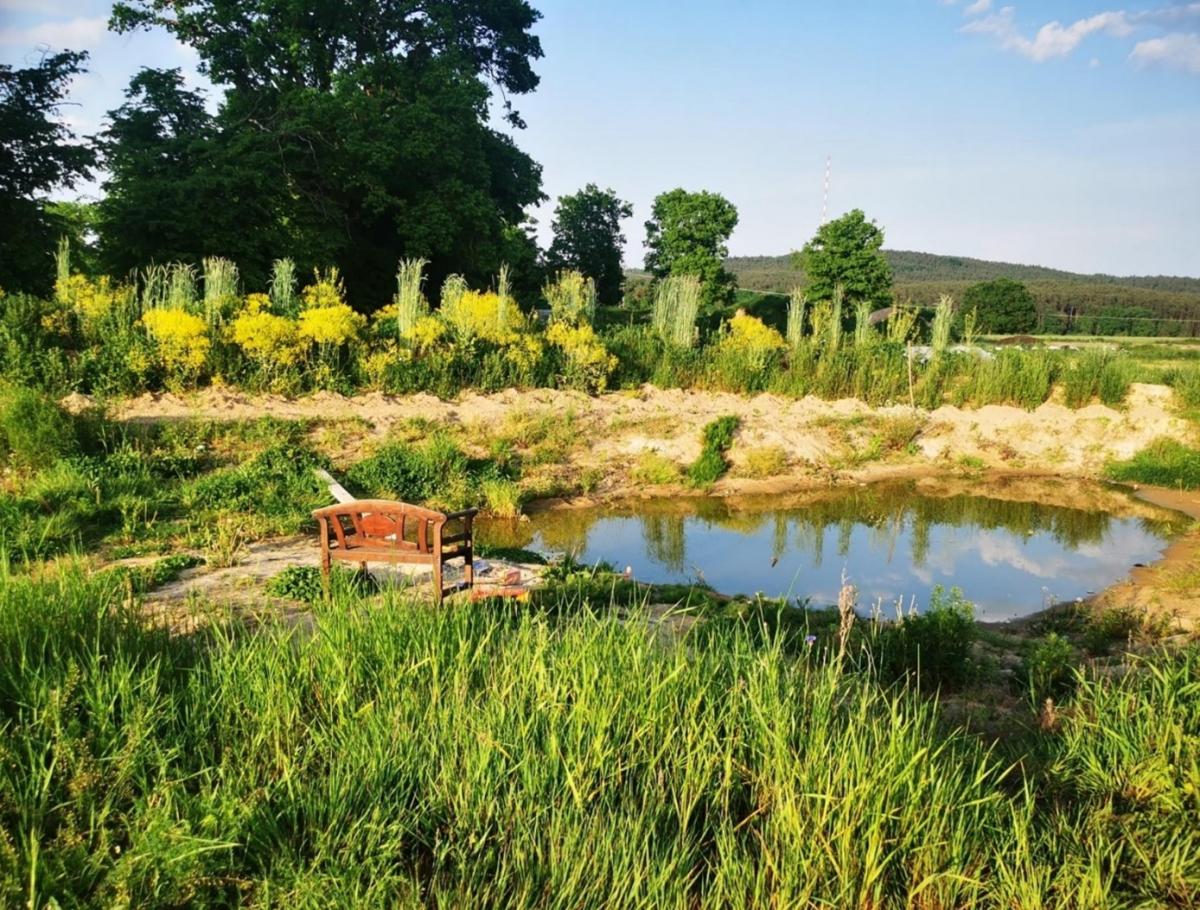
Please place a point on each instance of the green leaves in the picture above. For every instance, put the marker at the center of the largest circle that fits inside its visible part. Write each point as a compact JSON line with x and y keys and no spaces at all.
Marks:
{"x":686,"y":235}
{"x":847,"y":252}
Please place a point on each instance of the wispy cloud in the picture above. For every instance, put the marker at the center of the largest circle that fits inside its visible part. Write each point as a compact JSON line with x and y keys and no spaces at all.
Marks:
{"x":1176,"y":51}
{"x":79,"y":33}
{"x":1171,"y":48}
{"x":1053,"y":39}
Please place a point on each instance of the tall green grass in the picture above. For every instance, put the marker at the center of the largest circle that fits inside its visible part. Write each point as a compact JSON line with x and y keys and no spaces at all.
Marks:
{"x":482,"y":756}
{"x":1165,"y":463}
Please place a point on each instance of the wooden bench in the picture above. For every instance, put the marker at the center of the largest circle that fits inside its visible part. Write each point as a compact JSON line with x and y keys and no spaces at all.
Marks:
{"x":378,"y":530}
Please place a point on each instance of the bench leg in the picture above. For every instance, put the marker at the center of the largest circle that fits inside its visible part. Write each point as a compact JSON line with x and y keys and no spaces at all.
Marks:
{"x":326,"y":566}
{"x":437,"y":582}
{"x":469,"y":566}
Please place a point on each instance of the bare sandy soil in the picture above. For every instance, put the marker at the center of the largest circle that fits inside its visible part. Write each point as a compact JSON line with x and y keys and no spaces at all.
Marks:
{"x":815,"y":435}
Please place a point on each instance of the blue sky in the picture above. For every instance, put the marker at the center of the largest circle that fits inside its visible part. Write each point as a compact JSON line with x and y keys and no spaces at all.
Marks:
{"x":1062,"y":132}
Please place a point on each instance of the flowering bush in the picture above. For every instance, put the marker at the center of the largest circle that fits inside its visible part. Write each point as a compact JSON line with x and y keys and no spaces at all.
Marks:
{"x":331,"y":326}
{"x":571,"y":297}
{"x":181,"y":339}
{"x":266,"y":339}
{"x":325,"y":291}
{"x":484,"y":315}
{"x":749,"y":335}
{"x":425,"y":333}
{"x":588,"y":362}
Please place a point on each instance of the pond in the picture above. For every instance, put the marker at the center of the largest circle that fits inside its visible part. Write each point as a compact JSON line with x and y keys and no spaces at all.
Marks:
{"x":892,"y":542}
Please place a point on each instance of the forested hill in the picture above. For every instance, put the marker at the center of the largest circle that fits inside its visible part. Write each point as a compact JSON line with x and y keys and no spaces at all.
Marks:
{"x":776,"y":273}
{"x":1066,"y":301}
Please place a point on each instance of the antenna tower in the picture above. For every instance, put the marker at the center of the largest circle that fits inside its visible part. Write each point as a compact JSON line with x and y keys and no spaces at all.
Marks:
{"x":825,"y":199}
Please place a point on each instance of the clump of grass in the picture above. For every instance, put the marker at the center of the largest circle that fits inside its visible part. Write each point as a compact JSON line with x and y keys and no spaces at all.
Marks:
{"x":712,"y":463}
{"x":402,"y":752}
{"x":571,"y":297}
{"x":1164,"y":463}
{"x":409,"y":300}
{"x":797,"y":307}
{"x":676,"y":305}
{"x":283,"y":288}
{"x":34,"y":431}
{"x":655,"y":470}
{"x":501,"y":496}
{"x":220,"y":289}
{"x":1022,"y":378}
{"x":943,"y":321}
{"x":765,"y":461}
{"x":1096,"y":375}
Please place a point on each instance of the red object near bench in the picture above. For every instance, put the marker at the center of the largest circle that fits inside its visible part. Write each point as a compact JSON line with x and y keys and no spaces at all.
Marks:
{"x":380,"y":530}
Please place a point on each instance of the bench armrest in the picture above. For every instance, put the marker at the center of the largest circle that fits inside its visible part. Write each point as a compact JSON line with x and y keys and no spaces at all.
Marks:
{"x":465,"y":513}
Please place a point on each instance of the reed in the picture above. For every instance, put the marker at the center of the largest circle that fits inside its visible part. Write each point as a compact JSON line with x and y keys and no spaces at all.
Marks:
{"x":220,"y":290}
{"x":571,"y":297}
{"x":410,"y":302}
{"x":797,"y":308}
{"x":284,"y":300}
{"x":676,"y":305}
{"x":943,"y":320}
{"x":453,"y":289}
{"x":864,"y":333}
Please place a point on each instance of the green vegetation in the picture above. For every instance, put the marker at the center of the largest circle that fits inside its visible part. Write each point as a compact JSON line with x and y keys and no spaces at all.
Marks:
{"x":1101,"y":304}
{"x":847,"y":253}
{"x":233,"y":767}
{"x":712,"y":463}
{"x":1164,"y":463}
{"x":1002,"y":307}
{"x":686,"y":235}
{"x":588,"y":239}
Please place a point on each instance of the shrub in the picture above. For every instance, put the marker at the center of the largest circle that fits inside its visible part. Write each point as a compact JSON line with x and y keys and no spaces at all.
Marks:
{"x":501,"y":496}
{"x":1165,"y":463}
{"x":768,"y":461}
{"x":712,"y":463}
{"x":1048,"y":668}
{"x":934,"y":645}
{"x":1096,"y":375}
{"x":181,"y":341}
{"x":653,"y":469}
{"x":571,"y":297}
{"x":34,"y":431}
{"x":1021,"y":378}
{"x":587,"y":362}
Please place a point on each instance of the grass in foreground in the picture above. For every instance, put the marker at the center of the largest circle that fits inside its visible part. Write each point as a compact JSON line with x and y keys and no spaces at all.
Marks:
{"x":481,"y":756}
{"x":1164,"y":463}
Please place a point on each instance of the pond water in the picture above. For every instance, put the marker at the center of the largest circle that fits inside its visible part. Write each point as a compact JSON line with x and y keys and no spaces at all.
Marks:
{"x":892,"y":542}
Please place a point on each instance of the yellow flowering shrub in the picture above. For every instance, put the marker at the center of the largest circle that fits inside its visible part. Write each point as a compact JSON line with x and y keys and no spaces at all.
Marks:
{"x":484,"y":315}
{"x":524,"y":352}
{"x":377,"y":366}
{"x":267,"y":339}
{"x":425,"y":333}
{"x":257,"y":303}
{"x":182,"y":340}
{"x":748,"y":335}
{"x":588,"y":362}
{"x":325,"y":291}
{"x":330,"y":325}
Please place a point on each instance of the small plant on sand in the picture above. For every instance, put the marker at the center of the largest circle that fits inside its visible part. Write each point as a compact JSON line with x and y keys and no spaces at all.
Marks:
{"x":712,"y":463}
{"x":765,"y":461}
{"x":655,"y":470}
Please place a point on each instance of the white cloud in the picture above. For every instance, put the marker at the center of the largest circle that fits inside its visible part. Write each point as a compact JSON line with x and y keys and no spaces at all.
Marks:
{"x":1053,"y":39}
{"x":79,"y":33}
{"x":1176,"y":51}
{"x":978,"y":8}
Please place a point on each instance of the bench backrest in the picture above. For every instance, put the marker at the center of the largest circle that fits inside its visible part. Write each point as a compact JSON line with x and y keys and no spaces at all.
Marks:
{"x":382,"y":522}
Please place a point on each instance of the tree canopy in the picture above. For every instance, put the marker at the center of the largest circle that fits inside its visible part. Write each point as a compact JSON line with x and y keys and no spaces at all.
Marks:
{"x":587,"y":237}
{"x":356,"y":131}
{"x":687,"y":235}
{"x":1002,"y":307}
{"x":848,"y":252}
{"x":38,"y":153}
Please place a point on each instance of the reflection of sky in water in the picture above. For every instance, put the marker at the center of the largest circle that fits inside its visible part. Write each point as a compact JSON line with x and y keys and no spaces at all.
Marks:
{"x":1006,"y":573}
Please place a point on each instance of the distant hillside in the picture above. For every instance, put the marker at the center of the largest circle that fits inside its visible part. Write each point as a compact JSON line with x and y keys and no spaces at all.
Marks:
{"x":775,"y":273}
{"x":1107,"y":304}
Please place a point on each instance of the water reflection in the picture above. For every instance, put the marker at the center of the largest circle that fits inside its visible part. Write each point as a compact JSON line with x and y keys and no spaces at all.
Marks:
{"x":891,"y":541}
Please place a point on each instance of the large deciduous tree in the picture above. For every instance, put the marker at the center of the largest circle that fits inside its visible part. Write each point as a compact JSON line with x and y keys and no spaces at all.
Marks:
{"x":587,"y":237}
{"x":367,"y":123}
{"x":687,"y":235}
{"x":38,"y":154}
{"x":848,"y":252}
{"x":1002,"y":307}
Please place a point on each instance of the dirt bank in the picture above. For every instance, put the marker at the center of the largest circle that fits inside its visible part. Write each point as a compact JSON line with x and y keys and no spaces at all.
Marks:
{"x":814,"y":436}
